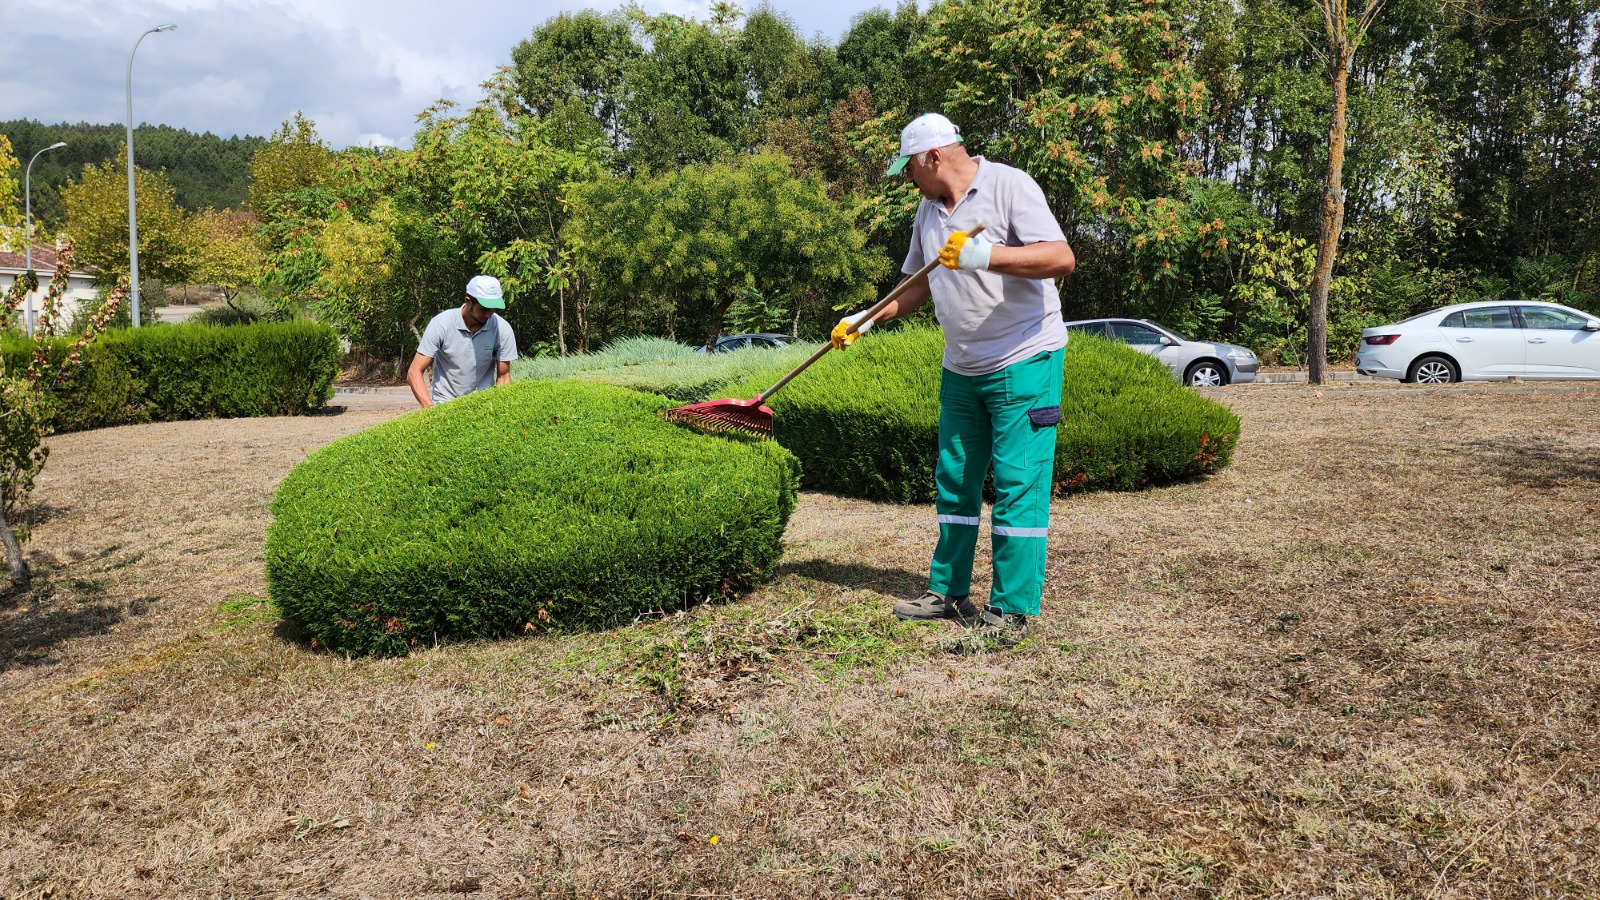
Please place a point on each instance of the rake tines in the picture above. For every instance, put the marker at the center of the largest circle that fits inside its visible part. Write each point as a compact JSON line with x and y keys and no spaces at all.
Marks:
{"x":737,"y":416}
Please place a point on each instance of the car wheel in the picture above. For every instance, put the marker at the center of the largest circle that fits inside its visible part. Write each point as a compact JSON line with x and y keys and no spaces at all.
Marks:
{"x":1433,"y":370}
{"x":1206,"y":373}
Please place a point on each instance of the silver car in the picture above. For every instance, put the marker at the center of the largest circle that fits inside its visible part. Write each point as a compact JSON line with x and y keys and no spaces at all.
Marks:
{"x":1195,"y":363}
{"x":1485,"y":342}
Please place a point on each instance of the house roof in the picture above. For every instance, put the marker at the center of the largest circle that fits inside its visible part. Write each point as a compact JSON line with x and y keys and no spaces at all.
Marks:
{"x":44,"y":261}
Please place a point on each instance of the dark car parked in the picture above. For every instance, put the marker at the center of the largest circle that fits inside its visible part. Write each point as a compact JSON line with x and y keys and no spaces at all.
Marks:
{"x":734,"y":342}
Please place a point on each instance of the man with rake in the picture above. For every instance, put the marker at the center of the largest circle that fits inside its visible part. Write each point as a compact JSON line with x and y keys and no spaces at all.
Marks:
{"x":1000,"y":391}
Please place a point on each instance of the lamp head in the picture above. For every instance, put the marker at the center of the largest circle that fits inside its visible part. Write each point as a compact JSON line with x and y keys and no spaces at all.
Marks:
{"x":165,"y":28}
{"x":57,"y":145}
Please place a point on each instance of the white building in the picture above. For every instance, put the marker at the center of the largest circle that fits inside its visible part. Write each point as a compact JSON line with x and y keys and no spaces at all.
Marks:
{"x":80,"y":285}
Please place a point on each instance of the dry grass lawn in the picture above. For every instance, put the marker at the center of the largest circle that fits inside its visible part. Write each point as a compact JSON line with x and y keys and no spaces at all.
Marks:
{"x":1364,"y":661}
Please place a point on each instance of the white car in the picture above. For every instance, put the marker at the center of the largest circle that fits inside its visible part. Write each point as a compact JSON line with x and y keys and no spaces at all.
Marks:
{"x":1485,"y":342}
{"x":1195,"y":363}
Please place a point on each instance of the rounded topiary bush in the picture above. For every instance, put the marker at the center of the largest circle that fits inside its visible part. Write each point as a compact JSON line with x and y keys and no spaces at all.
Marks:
{"x":865,"y":422}
{"x":531,"y":506}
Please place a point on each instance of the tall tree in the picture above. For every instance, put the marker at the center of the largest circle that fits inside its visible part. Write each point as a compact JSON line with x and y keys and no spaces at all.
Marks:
{"x":97,"y":220}
{"x":1344,"y":34}
{"x":705,"y":236}
{"x":227,"y":251}
{"x":573,"y":71}
{"x":294,"y":159}
{"x":880,"y":52}
{"x":10,"y":185}
{"x":490,"y":191}
{"x":1097,"y":100}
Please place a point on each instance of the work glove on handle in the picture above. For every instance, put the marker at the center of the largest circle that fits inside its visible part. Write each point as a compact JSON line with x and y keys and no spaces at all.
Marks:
{"x":840,"y":335}
{"x":963,"y":251}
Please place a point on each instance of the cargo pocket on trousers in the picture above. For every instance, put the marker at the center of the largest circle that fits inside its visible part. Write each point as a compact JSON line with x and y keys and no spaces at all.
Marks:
{"x":1045,"y":416}
{"x":1042,"y":442}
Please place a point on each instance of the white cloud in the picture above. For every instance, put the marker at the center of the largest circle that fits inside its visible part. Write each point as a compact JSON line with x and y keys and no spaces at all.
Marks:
{"x":363,"y":69}
{"x":211,"y":97}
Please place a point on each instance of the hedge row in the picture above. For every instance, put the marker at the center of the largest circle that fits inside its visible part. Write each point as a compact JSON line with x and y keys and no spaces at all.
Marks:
{"x":191,"y":371}
{"x":865,"y":422}
{"x":531,"y":506}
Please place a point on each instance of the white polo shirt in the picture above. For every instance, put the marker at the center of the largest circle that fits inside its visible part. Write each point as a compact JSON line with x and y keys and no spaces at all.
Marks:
{"x":464,"y":362}
{"x":991,"y":320}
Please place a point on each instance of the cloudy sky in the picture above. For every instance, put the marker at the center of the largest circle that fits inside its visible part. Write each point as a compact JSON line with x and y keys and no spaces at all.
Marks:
{"x":362,"y":69}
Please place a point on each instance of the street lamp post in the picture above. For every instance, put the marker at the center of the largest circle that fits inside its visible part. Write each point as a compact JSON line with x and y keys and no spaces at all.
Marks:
{"x":27,"y":230}
{"x":133,"y":215}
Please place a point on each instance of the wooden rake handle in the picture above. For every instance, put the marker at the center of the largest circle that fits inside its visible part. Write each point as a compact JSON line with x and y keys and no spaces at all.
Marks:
{"x":876,"y":308}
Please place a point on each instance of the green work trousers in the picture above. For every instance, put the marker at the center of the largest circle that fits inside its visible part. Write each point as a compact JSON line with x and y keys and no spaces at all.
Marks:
{"x":1009,"y":418}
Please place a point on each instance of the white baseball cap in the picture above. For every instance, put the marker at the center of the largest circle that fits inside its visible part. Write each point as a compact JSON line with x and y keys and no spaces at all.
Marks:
{"x":926,"y":132}
{"x":486,"y":290}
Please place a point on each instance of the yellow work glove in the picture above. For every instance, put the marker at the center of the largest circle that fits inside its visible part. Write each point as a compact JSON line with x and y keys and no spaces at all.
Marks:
{"x":839,"y":336}
{"x":964,"y":251}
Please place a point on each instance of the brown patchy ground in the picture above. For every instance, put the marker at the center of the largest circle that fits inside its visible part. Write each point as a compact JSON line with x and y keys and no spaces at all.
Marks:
{"x":1364,"y":661}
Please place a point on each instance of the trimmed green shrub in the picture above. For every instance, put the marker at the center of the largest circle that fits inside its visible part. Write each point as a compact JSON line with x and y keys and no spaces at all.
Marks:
{"x":530,"y":506}
{"x":865,"y":422}
{"x":99,"y":393}
{"x":192,"y":371}
{"x":664,"y":367}
{"x":195,"y":371}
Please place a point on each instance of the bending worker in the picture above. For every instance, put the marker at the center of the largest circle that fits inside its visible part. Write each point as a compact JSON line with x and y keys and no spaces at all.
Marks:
{"x":1000,"y":391}
{"x":470,"y":348}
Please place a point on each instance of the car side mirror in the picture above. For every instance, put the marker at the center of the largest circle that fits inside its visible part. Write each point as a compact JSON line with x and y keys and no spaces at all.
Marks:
{"x":1168,"y":342}
{"x":1592,"y":325}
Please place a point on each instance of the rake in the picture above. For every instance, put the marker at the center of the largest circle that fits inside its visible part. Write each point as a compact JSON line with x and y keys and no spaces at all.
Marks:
{"x":751,"y":416}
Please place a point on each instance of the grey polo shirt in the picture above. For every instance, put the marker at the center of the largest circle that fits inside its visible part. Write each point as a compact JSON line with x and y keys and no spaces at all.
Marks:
{"x":464,"y":362}
{"x":991,"y":320}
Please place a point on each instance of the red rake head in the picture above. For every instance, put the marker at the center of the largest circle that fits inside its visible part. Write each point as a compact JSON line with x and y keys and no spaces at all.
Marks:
{"x":738,"y":416}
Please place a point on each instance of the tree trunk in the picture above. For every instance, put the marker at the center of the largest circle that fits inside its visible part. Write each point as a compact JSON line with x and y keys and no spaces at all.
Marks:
{"x":581,"y":312}
{"x":1332,"y":218}
{"x":561,"y":320}
{"x":717,"y":315}
{"x":21,"y":578}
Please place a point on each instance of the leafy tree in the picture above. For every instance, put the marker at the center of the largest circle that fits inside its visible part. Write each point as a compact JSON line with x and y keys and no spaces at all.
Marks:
{"x":97,"y":220}
{"x":294,"y":159}
{"x":573,"y":71}
{"x":881,"y":53}
{"x":1519,"y":79}
{"x":358,"y":287}
{"x":1098,"y":101}
{"x":10,"y":185}
{"x":1344,"y":33}
{"x":688,"y":99}
{"x":488,"y":193}
{"x":705,"y":236}
{"x":227,"y":250}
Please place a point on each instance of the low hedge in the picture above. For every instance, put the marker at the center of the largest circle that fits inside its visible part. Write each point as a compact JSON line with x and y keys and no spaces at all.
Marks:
{"x":525,"y":507}
{"x":865,"y":422}
{"x":191,"y":371}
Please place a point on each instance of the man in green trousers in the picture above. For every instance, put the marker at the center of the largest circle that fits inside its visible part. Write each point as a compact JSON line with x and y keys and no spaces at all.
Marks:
{"x":1000,"y":392}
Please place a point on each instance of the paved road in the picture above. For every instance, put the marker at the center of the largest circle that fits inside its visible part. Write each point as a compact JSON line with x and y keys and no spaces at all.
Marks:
{"x":360,"y":398}
{"x":175,"y":314}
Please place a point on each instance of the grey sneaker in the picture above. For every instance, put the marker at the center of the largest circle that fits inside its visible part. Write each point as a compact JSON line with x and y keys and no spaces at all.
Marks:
{"x":934,"y":605}
{"x":993,"y":630}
